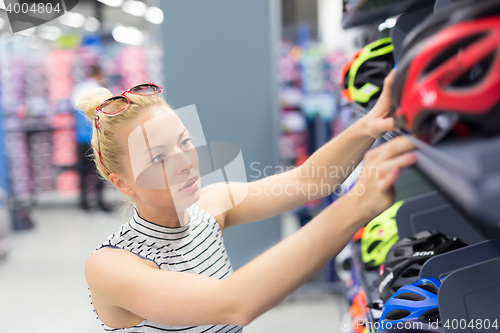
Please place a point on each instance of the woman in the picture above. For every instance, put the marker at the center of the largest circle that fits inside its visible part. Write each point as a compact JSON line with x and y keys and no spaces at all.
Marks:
{"x":138,"y":279}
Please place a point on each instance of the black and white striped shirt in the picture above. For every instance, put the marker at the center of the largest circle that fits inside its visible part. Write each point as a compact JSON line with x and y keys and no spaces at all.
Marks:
{"x":196,"y":247}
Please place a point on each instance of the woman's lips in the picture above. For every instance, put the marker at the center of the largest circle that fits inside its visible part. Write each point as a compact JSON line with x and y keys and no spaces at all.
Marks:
{"x":192,"y":184}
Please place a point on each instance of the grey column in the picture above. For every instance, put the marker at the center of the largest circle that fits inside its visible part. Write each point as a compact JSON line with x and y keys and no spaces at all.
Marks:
{"x":220,"y":55}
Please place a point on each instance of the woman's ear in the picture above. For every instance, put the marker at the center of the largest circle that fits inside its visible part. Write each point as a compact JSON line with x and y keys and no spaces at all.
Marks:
{"x":121,"y":184}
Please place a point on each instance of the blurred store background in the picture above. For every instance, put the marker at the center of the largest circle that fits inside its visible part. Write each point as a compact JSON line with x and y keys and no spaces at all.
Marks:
{"x":265,"y":65}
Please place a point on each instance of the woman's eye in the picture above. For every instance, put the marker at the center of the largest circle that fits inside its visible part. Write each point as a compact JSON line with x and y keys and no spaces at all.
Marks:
{"x":185,"y":143}
{"x":158,"y":158}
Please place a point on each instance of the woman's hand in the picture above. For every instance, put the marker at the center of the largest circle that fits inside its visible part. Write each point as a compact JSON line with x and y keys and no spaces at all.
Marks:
{"x":381,"y":168}
{"x":378,"y":120}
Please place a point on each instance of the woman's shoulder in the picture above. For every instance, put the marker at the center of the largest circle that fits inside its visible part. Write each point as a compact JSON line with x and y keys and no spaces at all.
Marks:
{"x":213,"y":200}
{"x":102,"y":265}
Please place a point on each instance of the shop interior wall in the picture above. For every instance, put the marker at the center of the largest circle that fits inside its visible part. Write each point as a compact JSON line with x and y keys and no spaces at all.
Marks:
{"x":220,"y":56}
{"x":330,"y":32}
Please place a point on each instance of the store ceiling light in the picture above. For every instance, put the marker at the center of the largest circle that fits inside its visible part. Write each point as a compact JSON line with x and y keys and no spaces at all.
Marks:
{"x":112,"y":3}
{"x":92,"y":24}
{"x":49,"y":32}
{"x":71,"y":19}
{"x":134,"y":7}
{"x":154,"y":15}
{"x":127,"y":35}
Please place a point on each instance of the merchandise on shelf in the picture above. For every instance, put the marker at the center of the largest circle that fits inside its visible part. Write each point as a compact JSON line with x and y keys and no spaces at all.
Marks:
{"x":36,"y":101}
{"x":448,"y":74}
{"x":379,"y":235}
{"x":68,"y":183}
{"x":414,"y":307}
{"x":406,"y":257}
{"x":445,"y":87}
{"x":41,"y":161}
{"x":343,"y":263}
{"x":357,"y":236}
{"x":18,"y":162}
{"x":344,"y":76}
{"x":5,"y":223}
{"x":357,"y":312}
{"x":368,"y":71}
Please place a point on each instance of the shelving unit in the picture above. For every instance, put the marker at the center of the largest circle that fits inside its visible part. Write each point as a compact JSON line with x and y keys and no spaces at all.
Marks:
{"x":367,"y":281}
{"x":454,"y":187}
{"x":468,"y":171}
{"x":361,"y":12}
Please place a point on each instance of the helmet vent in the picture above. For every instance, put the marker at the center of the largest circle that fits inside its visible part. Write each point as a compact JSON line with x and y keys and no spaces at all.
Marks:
{"x":429,"y":287}
{"x":451,"y":51}
{"x":346,"y":80}
{"x":412,"y":272}
{"x":346,"y":265}
{"x":475,"y":74}
{"x":373,"y":246}
{"x":375,"y":226}
{"x":423,"y":246}
{"x":399,"y":253}
{"x":431,"y":316}
{"x":378,"y":47}
{"x":410,"y":297}
{"x":397,"y":314}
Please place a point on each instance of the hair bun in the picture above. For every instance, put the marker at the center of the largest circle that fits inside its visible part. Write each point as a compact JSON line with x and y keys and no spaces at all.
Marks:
{"x":89,"y":100}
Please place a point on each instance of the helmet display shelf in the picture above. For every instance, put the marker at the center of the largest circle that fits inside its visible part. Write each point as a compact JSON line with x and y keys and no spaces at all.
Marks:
{"x":470,"y":285}
{"x":433,"y":210}
{"x":466,"y":171}
{"x":442,"y":265}
{"x":368,"y":280}
{"x":454,"y":187}
{"x":471,"y":293}
{"x":360,"y":12}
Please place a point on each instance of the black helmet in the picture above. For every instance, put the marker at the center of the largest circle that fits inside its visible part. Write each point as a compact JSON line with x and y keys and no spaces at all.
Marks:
{"x":406,"y":257}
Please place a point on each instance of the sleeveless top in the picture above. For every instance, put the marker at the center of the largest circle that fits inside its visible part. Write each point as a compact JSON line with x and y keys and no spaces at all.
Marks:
{"x":196,"y":247}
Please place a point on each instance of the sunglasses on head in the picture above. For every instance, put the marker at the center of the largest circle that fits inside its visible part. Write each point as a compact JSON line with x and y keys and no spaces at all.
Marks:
{"x":117,"y":104}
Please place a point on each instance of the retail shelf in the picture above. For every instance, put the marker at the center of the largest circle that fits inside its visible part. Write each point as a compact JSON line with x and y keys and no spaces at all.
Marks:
{"x":359,"y":12}
{"x":433,"y":210}
{"x":468,"y":172}
{"x":369,"y":283}
{"x":442,"y":265}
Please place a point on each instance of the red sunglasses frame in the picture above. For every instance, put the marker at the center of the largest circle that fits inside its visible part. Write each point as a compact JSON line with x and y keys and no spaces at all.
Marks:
{"x":99,"y":109}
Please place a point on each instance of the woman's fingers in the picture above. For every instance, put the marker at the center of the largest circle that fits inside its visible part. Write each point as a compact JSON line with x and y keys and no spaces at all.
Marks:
{"x":380,"y":126}
{"x":387,"y":182}
{"x":398,"y":162}
{"x":392,"y":148}
{"x":384,"y":100}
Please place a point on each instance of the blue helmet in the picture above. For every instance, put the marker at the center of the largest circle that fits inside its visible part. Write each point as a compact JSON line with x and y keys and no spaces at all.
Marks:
{"x":413,"y":308}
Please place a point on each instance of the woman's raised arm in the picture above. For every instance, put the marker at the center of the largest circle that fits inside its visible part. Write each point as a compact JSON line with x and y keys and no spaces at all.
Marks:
{"x":123,"y":280}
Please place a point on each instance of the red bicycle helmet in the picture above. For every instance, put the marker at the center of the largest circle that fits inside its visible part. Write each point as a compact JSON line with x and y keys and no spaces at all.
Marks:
{"x":451,"y":65}
{"x":344,"y":76}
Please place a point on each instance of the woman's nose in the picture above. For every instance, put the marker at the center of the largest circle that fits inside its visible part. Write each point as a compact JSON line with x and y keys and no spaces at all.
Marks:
{"x":183,"y":162}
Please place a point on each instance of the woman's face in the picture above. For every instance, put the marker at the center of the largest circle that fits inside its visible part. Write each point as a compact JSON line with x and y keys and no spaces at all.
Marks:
{"x":162,"y":164}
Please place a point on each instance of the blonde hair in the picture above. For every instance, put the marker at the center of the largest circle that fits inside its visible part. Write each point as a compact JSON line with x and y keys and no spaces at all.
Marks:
{"x":112,"y":150}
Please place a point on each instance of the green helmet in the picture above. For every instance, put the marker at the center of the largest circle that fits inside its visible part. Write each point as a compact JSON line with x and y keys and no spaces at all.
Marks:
{"x":368,"y":71}
{"x":379,"y":235}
